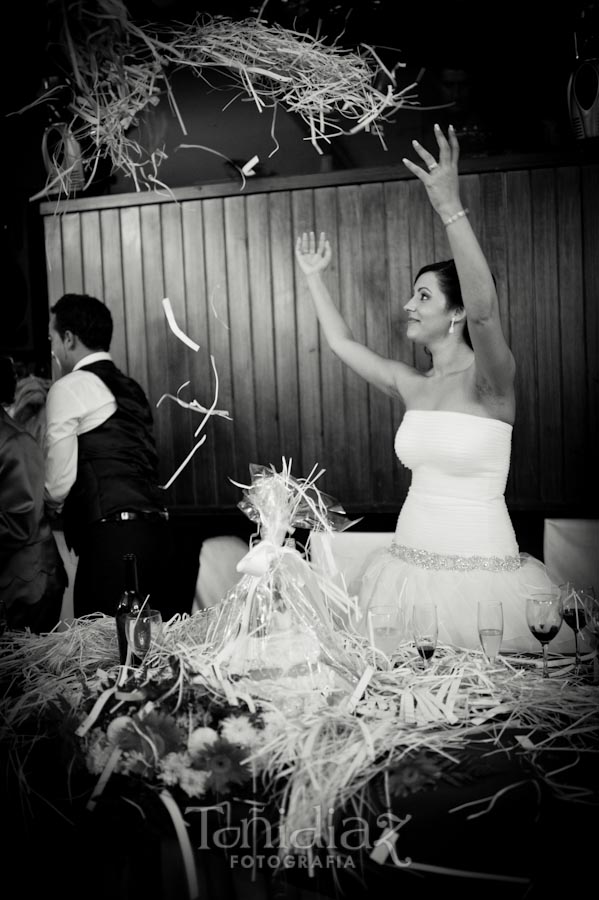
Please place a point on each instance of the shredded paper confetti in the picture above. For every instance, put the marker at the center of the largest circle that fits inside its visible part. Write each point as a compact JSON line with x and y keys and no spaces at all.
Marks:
{"x":114,"y":71}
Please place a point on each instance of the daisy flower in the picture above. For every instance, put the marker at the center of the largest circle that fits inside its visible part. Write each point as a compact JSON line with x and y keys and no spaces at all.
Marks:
{"x":194,"y":782}
{"x":224,"y":762}
{"x":239,"y":730}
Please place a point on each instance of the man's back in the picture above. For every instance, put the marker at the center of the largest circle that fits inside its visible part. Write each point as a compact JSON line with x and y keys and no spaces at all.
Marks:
{"x":102,"y":464}
{"x":117,"y":464}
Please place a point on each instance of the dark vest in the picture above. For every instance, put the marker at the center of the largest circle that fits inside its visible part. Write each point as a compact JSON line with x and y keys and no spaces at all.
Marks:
{"x":117,"y":464}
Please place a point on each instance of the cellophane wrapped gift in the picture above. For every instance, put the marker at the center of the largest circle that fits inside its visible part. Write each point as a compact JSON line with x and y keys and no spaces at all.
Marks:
{"x":282,"y":620}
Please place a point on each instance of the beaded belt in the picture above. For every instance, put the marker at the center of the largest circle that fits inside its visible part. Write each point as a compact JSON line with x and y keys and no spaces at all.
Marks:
{"x":427,"y":560}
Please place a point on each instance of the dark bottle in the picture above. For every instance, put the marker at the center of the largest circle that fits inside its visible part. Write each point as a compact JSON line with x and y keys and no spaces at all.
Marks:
{"x":129,"y":602}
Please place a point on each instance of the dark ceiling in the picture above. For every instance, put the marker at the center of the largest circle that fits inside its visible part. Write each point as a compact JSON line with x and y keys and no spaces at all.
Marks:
{"x":518,"y":57}
{"x":512,"y":42}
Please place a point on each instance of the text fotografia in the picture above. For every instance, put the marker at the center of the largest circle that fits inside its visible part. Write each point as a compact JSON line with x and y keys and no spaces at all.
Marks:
{"x":289,"y":861}
{"x":255,"y":832}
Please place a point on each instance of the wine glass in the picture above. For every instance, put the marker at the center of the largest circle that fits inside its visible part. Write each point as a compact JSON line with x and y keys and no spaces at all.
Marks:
{"x":490,"y":627}
{"x":573,"y":604}
{"x":386,"y":628}
{"x":141,"y":630}
{"x":425,"y":629}
{"x":544,"y":614}
{"x":591,"y":615}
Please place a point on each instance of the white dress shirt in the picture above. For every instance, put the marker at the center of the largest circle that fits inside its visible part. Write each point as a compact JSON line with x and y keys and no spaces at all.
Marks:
{"x":76,"y":403}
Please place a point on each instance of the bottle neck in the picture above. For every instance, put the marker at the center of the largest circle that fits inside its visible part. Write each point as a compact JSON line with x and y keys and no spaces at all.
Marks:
{"x":131,"y":583}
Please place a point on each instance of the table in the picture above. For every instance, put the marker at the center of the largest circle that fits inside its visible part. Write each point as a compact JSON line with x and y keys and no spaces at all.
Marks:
{"x":482,"y":814}
{"x":125,"y":849}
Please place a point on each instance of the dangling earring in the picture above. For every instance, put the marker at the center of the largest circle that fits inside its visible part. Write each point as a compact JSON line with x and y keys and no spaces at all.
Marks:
{"x":452,"y":325}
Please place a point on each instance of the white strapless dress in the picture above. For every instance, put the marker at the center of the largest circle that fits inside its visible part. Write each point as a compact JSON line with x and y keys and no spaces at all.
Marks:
{"x":454,"y":542}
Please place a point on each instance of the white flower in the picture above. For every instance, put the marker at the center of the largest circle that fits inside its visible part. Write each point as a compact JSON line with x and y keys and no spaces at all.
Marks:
{"x":239,"y":730}
{"x":193,"y":782}
{"x":98,"y":752}
{"x":131,"y":763}
{"x":173,"y":767}
{"x":199,"y":738}
{"x":121,"y":723}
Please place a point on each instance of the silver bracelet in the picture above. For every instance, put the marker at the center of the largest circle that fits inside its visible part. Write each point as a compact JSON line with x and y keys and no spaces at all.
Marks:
{"x":460,"y":213}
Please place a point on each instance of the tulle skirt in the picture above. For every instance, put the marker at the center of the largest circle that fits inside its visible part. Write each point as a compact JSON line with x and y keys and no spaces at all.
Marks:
{"x":386,"y":579}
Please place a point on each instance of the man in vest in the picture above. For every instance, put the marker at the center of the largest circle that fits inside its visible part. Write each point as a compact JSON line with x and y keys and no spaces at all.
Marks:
{"x":102,"y":463}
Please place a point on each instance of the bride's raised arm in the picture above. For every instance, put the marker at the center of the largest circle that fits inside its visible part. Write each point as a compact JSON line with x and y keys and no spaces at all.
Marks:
{"x":388,"y":375}
{"x":494,"y":361}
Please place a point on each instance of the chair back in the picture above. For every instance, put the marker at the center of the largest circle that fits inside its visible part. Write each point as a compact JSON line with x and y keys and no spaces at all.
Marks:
{"x":571,"y":551}
{"x":217,"y":573}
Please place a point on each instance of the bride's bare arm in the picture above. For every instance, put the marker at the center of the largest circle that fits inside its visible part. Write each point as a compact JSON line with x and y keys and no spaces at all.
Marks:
{"x":494,"y":360}
{"x":386,"y":374}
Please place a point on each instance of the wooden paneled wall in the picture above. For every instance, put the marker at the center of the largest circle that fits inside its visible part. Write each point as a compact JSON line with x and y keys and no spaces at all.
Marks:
{"x":227,"y":264}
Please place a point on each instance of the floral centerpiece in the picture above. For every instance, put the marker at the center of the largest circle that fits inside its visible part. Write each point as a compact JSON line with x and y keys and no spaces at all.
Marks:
{"x":194,"y":741}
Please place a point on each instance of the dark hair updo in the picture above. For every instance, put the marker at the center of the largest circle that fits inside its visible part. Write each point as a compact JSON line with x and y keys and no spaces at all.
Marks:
{"x":449,"y":284}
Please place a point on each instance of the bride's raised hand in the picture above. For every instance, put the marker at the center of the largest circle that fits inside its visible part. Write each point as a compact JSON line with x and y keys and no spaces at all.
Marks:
{"x":440,"y":178}
{"x":310,"y":256}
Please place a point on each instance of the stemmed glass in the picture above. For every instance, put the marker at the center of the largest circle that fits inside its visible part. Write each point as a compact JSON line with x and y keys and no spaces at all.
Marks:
{"x":591,"y":615}
{"x":573,"y":604}
{"x":385,"y":622}
{"x":141,"y":630}
{"x":544,"y":614}
{"x":425,"y":629}
{"x":490,"y":627}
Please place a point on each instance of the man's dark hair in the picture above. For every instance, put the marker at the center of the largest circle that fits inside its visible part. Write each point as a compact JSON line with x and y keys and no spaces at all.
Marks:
{"x":85,"y":316}
{"x":8,"y":380}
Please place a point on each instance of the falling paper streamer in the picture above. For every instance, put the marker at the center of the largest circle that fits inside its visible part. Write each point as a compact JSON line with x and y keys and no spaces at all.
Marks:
{"x":272,"y":132}
{"x":170,"y":318}
{"x":209,"y":412}
{"x":193,"y":404}
{"x":248,"y":169}
{"x":213,"y":308}
{"x":185,"y":847}
{"x":216,"y":153}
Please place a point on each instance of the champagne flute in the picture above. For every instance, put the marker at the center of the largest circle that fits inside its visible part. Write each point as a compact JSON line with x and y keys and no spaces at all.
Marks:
{"x":386,"y":628}
{"x":425,"y":629}
{"x":490,"y":627}
{"x":141,"y":630}
{"x":544,"y":614}
{"x":573,"y":604}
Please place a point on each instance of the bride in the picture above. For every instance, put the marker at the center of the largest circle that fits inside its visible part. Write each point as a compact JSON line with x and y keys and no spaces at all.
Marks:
{"x":454,"y":542}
